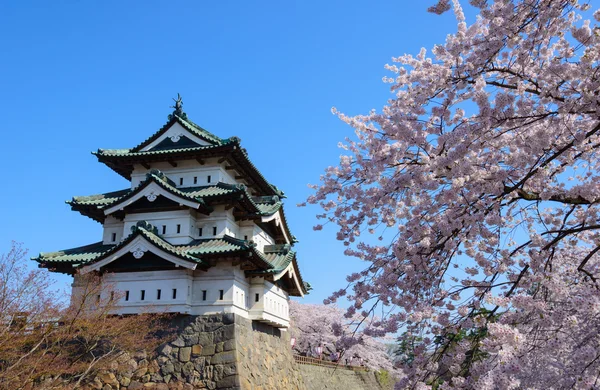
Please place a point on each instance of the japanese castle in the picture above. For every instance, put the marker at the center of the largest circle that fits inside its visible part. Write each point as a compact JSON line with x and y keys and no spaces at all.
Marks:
{"x":200,"y":231}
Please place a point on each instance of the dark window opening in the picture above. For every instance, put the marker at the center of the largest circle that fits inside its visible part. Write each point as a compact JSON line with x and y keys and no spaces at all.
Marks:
{"x":204,"y":295}
{"x":143,"y":295}
{"x":164,"y":229}
{"x":178,"y":228}
{"x":246,"y":238}
{"x":112,"y":296}
{"x":256,"y":297}
{"x":181,"y":181}
{"x":214,"y":230}
{"x":114,"y":237}
{"x":127,"y":295}
{"x":174,"y":293}
{"x":208,"y":178}
{"x":195,"y":180}
{"x":221,"y":294}
{"x":158,"y":294}
{"x":98,"y":298}
{"x":200,"y":232}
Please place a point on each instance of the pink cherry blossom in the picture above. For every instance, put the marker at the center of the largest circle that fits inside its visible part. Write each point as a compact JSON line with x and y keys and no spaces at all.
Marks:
{"x":474,"y":197}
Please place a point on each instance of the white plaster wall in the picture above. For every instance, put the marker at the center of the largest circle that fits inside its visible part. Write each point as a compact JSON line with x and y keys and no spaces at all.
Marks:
{"x":220,"y":218}
{"x":261,"y":238}
{"x":272,"y":305}
{"x":112,"y":226}
{"x":188,"y":170}
{"x":170,"y":219}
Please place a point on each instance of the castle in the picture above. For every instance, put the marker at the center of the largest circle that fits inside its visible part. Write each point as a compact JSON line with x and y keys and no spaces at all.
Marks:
{"x":200,"y":230}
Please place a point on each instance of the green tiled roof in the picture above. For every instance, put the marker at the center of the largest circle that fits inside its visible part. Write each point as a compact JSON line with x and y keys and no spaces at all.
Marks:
{"x":275,"y":259}
{"x":94,"y":205}
{"x":186,"y":124}
{"x":99,"y":200}
{"x":81,"y":254}
{"x":122,"y":160}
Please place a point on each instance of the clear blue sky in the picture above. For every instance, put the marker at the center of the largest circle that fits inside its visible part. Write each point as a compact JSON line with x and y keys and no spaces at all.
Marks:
{"x":80,"y":75}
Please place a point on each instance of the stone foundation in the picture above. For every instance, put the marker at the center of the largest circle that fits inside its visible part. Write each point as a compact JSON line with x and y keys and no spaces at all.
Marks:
{"x":226,"y":352}
{"x":215,"y":352}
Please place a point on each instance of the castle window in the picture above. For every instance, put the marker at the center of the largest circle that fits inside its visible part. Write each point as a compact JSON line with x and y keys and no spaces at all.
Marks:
{"x":174,"y":293}
{"x":158,"y":294}
{"x":221,"y":294}
{"x":246,"y":238}
{"x":127,"y":295}
{"x":195,"y":179}
{"x":208,"y":179}
{"x":199,"y":232}
{"x":256,"y":297}
{"x":214,"y":230}
{"x":164,"y":229}
{"x":204,"y":295}
{"x":98,"y":298}
{"x":143,"y":295}
{"x":114,"y":237}
{"x":178,"y":228}
{"x":181,"y":181}
{"x":112,"y":296}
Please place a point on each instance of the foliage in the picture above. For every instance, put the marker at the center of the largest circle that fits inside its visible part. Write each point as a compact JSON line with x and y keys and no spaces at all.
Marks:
{"x":326,"y":326}
{"x":54,"y":345}
{"x":480,"y":179}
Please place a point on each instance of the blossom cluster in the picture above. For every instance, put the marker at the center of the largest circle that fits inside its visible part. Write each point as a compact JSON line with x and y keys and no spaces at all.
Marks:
{"x":473,"y":196}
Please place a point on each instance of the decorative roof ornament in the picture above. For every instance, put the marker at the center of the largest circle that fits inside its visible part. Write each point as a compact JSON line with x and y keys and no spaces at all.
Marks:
{"x":178,"y":108}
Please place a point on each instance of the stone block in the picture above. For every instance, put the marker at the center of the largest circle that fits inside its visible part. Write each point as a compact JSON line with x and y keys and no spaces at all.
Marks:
{"x":219,"y":347}
{"x":196,"y":350}
{"x":124,"y":381}
{"x":167,"y":369}
{"x":165,"y":349}
{"x":208,"y":350}
{"x":228,"y":381}
{"x":184,"y":354}
{"x":223,"y":357}
{"x":199,"y":363}
{"x":229,"y":345}
{"x":188,"y":369}
{"x":135,"y":385}
{"x":229,"y":369}
{"x":190,"y":339}
{"x":178,"y":342}
{"x":205,"y":338}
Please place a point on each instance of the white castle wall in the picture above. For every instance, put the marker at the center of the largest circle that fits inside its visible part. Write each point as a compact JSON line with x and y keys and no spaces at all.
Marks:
{"x":191,"y":172}
{"x":183,"y":291}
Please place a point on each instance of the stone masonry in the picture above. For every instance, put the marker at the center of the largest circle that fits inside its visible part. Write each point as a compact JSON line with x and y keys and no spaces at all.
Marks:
{"x":215,"y":352}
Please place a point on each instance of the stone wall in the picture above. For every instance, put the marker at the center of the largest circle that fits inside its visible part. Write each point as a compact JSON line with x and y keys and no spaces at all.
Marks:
{"x":226,"y":352}
{"x":327,"y":378}
{"x":215,"y":352}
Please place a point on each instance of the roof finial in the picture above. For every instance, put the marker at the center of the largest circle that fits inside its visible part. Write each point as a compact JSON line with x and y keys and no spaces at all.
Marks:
{"x":178,"y":108}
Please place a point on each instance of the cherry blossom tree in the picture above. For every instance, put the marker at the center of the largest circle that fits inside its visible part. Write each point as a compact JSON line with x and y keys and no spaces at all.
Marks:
{"x":327,"y":327}
{"x":50,"y":343}
{"x":473,"y":196}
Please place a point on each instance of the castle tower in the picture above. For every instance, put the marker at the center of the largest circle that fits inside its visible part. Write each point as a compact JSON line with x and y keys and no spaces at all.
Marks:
{"x":200,"y":230}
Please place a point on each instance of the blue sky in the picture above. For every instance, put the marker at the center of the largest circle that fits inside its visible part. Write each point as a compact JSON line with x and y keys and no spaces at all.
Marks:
{"x":82,"y":75}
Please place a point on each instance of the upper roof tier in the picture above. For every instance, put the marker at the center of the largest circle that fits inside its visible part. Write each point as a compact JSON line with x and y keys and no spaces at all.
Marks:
{"x":189,"y":142}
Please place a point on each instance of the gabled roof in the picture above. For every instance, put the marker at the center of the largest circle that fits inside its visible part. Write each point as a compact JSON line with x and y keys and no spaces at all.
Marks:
{"x":122,"y":161}
{"x":276,"y":259}
{"x":190,"y":126}
{"x":69,"y":260}
{"x":97,"y":206}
